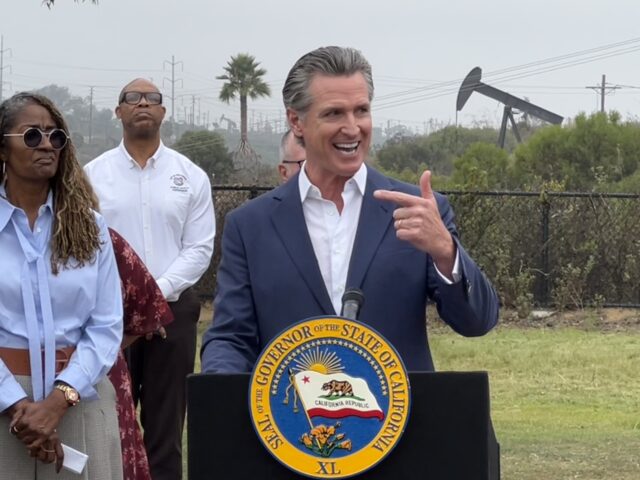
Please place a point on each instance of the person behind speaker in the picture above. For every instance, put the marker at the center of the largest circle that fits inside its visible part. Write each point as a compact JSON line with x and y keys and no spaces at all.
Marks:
{"x":290,"y":254}
{"x":160,"y":202}
{"x":292,"y":156}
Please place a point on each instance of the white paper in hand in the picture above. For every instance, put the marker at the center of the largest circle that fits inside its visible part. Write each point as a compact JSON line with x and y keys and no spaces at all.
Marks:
{"x":74,"y":460}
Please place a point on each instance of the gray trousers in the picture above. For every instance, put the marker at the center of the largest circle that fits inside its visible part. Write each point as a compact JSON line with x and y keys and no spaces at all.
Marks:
{"x":90,"y":427}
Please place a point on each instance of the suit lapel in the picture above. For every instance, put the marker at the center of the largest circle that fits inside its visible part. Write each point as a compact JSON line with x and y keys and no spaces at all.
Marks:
{"x":375,"y":217}
{"x":288,"y":220}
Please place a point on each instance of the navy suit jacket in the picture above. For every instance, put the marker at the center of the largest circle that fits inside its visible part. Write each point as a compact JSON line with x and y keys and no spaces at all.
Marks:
{"x":269,"y":279}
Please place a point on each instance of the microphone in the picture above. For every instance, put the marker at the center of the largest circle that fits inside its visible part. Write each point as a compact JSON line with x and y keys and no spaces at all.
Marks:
{"x":352,"y":301}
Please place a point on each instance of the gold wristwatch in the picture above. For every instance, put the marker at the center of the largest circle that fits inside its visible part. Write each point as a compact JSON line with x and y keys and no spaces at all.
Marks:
{"x":71,"y":395}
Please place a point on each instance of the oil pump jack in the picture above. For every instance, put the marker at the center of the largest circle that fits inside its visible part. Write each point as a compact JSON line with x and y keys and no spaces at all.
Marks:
{"x":472,"y":84}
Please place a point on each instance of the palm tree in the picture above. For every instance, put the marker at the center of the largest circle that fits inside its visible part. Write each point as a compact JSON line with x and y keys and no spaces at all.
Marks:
{"x":243,"y":79}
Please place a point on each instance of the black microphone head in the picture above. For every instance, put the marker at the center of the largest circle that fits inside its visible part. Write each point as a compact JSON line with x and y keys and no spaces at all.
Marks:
{"x":354,"y":294}
{"x":352,"y":303}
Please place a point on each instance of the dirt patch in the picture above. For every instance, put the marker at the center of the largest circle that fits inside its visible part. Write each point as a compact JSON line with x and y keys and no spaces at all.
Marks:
{"x":605,"y":319}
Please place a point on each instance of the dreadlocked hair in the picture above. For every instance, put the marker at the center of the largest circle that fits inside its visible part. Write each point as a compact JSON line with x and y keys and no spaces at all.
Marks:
{"x":76,"y":236}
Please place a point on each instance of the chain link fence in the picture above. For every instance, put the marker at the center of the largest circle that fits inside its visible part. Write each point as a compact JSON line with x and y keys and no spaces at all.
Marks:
{"x":566,"y":250}
{"x":555,"y":248}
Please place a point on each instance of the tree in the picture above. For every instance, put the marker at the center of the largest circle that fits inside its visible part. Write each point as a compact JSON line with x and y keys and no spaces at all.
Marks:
{"x":595,"y":151}
{"x":208,"y":151}
{"x":91,"y":134}
{"x":243,"y":79}
{"x":436,"y":150}
{"x":483,"y":166}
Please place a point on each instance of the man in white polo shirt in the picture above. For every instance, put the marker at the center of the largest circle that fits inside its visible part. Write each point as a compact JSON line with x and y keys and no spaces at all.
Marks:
{"x":161,"y":203}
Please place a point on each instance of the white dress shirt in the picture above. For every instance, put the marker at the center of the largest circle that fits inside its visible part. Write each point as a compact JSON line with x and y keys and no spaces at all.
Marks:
{"x":332,"y":234}
{"x":165,"y":211}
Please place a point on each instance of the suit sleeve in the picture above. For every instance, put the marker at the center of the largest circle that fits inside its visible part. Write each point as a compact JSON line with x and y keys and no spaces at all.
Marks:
{"x":230,"y":345}
{"x":471,"y":305}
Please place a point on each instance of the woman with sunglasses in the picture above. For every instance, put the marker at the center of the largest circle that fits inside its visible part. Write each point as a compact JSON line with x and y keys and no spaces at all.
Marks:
{"x":60,"y":304}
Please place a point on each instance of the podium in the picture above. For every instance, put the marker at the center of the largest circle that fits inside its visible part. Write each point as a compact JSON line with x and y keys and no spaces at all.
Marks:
{"x":449,"y":435}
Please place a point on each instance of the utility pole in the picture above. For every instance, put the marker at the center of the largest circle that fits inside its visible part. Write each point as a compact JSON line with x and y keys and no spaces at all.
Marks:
{"x":603,"y":89}
{"x":173,"y":82}
{"x":193,"y":110}
{"x":90,"y":113}
{"x":2,"y":65}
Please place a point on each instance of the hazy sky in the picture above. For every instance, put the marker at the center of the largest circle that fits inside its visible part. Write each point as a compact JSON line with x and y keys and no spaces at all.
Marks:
{"x":420,"y":50}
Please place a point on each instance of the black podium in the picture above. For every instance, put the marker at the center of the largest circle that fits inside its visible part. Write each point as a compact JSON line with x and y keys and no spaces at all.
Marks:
{"x":449,"y":435}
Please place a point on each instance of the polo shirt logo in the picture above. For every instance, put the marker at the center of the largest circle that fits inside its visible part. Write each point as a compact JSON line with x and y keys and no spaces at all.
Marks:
{"x":179,"y":183}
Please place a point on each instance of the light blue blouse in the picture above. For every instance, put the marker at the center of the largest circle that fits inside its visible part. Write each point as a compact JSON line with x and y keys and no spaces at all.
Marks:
{"x":40,"y":311}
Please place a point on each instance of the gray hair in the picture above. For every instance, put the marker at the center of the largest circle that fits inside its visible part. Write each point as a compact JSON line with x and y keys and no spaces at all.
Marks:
{"x":283,"y":142}
{"x":285,"y":138}
{"x":331,"y":61}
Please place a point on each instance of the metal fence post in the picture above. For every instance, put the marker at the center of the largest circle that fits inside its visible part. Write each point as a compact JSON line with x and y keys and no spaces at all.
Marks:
{"x":546,"y":287}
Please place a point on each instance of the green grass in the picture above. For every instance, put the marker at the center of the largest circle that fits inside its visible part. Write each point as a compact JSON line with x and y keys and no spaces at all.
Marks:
{"x":565,"y":402}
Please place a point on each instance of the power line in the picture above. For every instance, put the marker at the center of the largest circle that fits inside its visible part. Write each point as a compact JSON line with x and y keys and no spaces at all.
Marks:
{"x":524,"y":66}
{"x":85,"y":68}
{"x":512,"y":73}
{"x":453,"y":89}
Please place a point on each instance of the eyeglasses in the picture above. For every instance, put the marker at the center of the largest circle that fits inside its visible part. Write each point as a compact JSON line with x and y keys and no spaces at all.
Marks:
{"x":299,"y":162}
{"x":133,"y":98}
{"x":34,"y":137}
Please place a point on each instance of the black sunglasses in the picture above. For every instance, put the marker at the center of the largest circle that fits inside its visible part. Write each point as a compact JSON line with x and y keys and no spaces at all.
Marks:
{"x":299,"y":162}
{"x":34,"y":137}
{"x":133,"y":98}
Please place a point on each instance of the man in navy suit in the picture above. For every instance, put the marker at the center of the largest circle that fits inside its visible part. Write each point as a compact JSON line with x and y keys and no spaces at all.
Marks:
{"x":291,"y":253}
